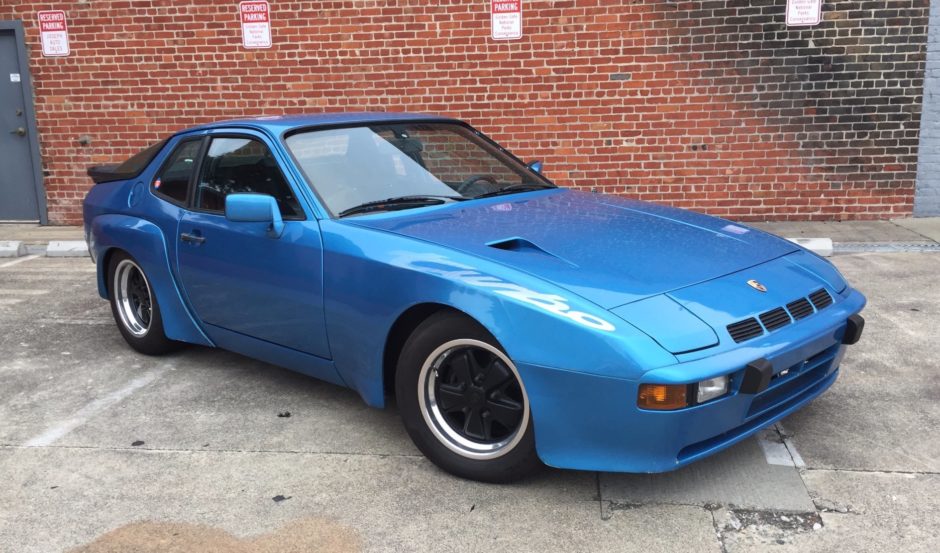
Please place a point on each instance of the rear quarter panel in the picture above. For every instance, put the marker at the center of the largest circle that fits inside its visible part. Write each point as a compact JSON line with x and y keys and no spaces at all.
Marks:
{"x":147,"y":244}
{"x":125,"y":215}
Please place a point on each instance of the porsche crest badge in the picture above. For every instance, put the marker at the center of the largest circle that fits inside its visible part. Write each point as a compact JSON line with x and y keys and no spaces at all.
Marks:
{"x":756,"y":285}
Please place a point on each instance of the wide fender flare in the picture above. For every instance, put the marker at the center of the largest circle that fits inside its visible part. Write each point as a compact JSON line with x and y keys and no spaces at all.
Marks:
{"x":146,"y":243}
{"x":372,"y":278}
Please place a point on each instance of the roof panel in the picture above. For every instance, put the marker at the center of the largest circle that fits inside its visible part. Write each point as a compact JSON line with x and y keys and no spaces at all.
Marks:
{"x":281,"y":123}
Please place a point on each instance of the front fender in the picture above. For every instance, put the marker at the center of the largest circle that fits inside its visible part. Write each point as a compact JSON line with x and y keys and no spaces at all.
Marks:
{"x":146,"y":243}
{"x":372,"y":277}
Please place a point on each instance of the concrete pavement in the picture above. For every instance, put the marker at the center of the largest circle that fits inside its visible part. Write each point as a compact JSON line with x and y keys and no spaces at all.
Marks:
{"x":927,"y":227}
{"x":852,"y":231}
{"x":34,"y":234}
{"x":105,"y":450}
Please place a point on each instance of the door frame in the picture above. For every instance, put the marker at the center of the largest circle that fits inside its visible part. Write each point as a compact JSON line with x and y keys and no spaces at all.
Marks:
{"x":26,"y":84}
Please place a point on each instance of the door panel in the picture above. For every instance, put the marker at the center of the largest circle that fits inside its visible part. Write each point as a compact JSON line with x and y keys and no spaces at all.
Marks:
{"x":18,"y":199}
{"x":235,"y":275}
{"x":238,"y":278}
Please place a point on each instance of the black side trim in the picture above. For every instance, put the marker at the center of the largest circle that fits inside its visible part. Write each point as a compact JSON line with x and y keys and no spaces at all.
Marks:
{"x":853,"y":329}
{"x":757,"y":375}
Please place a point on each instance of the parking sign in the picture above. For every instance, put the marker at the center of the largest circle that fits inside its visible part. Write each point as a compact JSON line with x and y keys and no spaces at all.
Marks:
{"x":53,"y":33}
{"x":256,"y":24}
{"x":506,"y":18}
{"x":803,"y":12}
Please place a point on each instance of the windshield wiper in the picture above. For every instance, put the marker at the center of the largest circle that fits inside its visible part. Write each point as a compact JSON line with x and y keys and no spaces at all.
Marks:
{"x":513,"y":188}
{"x":398,"y":202}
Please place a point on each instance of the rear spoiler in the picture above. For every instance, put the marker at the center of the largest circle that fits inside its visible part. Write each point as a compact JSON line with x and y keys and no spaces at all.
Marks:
{"x":106,"y":173}
{"x":127,"y":170}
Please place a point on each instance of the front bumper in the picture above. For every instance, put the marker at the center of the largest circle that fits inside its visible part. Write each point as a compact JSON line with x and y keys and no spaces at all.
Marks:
{"x":591,"y":422}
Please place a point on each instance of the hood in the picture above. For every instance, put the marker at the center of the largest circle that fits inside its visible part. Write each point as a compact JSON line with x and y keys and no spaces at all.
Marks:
{"x":607,"y":249}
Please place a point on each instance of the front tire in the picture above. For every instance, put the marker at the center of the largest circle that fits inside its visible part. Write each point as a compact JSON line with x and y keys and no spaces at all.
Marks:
{"x":463,"y":402}
{"x":135,"y":308}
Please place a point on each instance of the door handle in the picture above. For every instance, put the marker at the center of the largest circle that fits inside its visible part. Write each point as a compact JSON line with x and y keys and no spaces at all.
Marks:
{"x":19,"y":131}
{"x":192,"y":238}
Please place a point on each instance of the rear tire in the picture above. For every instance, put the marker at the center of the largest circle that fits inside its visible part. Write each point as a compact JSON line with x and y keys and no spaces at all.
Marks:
{"x":463,"y":402}
{"x":135,"y":308}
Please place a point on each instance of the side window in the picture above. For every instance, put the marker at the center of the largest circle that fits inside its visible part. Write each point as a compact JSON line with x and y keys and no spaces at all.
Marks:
{"x":173,"y":180}
{"x":242,"y":165}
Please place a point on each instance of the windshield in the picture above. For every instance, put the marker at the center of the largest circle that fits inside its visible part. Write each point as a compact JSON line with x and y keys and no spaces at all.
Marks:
{"x":349,"y":167}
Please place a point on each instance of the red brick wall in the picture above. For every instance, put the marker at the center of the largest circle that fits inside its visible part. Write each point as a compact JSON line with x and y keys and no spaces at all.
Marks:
{"x":713,"y":105}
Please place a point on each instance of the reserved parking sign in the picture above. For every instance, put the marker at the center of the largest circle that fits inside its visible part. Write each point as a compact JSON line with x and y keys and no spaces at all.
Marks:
{"x":256,"y":24}
{"x":803,"y":13}
{"x":53,"y":33}
{"x":507,"y":19}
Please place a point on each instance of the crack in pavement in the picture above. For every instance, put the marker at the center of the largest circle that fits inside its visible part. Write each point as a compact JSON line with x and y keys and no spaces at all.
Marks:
{"x":876,"y":471}
{"x":718,"y":534}
{"x":764,"y":525}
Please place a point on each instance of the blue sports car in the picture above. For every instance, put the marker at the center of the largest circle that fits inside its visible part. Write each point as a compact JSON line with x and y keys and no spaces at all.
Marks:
{"x":515,"y":322}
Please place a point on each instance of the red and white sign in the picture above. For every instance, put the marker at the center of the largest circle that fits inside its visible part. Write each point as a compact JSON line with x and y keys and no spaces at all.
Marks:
{"x":256,"y":24}
{"x":53,"y":33}
{"x":802,"y":13}
{"x":506,"y":16}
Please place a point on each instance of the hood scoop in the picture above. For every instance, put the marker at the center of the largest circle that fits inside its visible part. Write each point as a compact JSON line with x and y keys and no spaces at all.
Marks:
{"x":515,"y":245}
{"x":522,"y":245}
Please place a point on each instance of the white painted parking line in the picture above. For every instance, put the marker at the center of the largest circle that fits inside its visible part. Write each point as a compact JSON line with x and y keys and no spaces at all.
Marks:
{"x":17,"y":261}
{"x":791,"y":448}
{"x":10,"y":301}
{"x":23,"y":292}
{"x":61,"y":428}
{"x":779,"y":448}
{"x":775,"y":451}
{"x":75,"y":321}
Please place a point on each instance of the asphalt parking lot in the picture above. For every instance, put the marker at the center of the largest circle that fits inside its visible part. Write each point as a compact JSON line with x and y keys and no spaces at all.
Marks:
{"x":105,"y":450}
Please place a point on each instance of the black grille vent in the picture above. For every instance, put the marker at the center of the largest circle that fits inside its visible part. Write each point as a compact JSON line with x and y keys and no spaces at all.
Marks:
{"x":800,"y":308}
{"x":745,"y":330}
{"x":820,"y":299}
{"x":775,"y":318}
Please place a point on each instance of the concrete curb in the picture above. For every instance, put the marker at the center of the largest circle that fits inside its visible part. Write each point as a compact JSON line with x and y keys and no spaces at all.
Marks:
{"x":67,"y":248}
{"x":821,"y":246}
{"x":12,"y":248}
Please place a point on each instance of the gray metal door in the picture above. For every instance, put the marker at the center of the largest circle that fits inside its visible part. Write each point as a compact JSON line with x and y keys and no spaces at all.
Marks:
{"x":18,"y":191}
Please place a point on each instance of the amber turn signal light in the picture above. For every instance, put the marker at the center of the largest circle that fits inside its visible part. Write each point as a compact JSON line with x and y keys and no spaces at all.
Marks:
{"x":662,"y":396}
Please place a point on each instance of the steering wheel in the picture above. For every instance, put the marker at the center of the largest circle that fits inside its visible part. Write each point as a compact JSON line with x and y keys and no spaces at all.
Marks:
{"x":463,"y":187}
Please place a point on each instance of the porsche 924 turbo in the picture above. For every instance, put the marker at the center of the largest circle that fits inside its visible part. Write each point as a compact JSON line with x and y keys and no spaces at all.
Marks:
{"x":515,"y":322}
